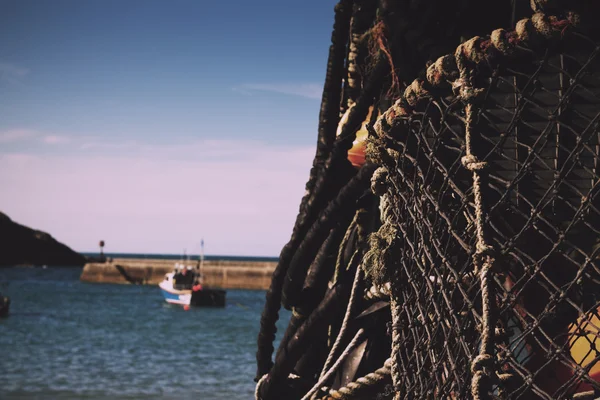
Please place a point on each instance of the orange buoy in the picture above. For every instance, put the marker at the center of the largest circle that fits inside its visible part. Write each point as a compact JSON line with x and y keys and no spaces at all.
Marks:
{"x":356,"y":154}
{"x":584,"y":342}
{"x":186,"y":307}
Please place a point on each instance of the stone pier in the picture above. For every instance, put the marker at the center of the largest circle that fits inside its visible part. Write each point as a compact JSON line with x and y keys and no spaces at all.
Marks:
{"x":223,"y":274}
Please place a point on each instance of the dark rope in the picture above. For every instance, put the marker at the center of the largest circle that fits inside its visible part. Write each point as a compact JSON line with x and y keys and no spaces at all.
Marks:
{"x":341,"y":208}
{"x":327,"y":127}
{"x":332,"y":302}
{"x":315,"y":284}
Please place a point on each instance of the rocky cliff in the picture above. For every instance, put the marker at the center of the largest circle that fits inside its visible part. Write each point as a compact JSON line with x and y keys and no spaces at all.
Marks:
{"x":20,"y":245}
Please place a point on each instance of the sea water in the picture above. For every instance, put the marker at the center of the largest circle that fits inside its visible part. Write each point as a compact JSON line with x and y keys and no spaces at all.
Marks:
{"x":65,"y":339}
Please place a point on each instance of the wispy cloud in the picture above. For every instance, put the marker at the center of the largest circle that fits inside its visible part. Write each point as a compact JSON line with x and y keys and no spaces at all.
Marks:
{"x":16,"y":135}
{"x":308,"y":90}
{"x":12,"y":73}
{"x":55,"y":139}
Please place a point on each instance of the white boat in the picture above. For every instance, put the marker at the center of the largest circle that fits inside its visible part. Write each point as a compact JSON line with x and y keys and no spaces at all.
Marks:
{"x":184,"y":286}
{"x":172,"y":295}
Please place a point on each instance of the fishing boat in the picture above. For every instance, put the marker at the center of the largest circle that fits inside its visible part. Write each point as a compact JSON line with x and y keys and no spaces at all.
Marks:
{"x":184,"y":286}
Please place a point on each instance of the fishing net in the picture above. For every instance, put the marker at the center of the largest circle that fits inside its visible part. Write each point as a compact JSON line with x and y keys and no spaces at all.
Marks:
{"x":459,"y":259}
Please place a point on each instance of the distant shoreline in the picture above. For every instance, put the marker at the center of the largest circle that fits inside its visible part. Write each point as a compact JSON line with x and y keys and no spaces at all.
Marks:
{"x":193,"y":257}
{"x":94,"y":258}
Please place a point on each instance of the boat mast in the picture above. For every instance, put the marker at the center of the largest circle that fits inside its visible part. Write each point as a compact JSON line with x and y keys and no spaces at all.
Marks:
{"x":201,"y":254}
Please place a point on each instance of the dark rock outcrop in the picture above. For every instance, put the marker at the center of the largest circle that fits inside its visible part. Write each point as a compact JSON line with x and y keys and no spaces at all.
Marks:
{"x":20,"y":245}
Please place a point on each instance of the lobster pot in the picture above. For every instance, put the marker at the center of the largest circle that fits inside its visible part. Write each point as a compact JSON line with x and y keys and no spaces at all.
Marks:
{"x":539,"y":131}
{"x":537,"y":127}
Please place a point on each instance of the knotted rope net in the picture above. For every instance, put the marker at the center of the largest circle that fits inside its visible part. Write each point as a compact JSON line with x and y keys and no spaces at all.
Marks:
{"x":448,"y":242}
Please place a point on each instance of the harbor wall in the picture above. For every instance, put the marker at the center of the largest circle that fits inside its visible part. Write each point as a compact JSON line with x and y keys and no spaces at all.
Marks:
{"x":223,"y":274}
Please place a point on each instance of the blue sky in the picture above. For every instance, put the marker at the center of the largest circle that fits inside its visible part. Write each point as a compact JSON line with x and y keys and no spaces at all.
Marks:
{"x":152,"y":123}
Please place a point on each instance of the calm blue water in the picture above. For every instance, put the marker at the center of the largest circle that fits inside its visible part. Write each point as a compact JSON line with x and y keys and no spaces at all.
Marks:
{"x":65,"y":339}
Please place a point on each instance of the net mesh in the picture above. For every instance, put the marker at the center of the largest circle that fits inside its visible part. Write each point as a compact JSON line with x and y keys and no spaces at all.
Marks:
{"x":470,"y":269}
{"x":538,"y":132}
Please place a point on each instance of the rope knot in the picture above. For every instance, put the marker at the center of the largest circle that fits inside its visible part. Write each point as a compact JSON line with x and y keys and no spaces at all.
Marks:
{"x":415,"y":92}
{"x":379,"y":181}
{"x":541,"y":5}
{"x":443,"y":69}
{"x":482,"y":361}
{"x":377,"y":128}
{"x":573,"y":19}
{"x":525,"y":30}
{"x":472,"y":163}
{"x":500,"y":40}
{"x":398,"y":110}
{"x":463,"y":89}
{"x":542,"y":25}
{"x":472,"y":51}
{"x":483,"y":249}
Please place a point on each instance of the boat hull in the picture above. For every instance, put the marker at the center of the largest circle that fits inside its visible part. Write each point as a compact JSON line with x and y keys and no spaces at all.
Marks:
{"x":182,"y":297}
{"x":208,"y":298}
